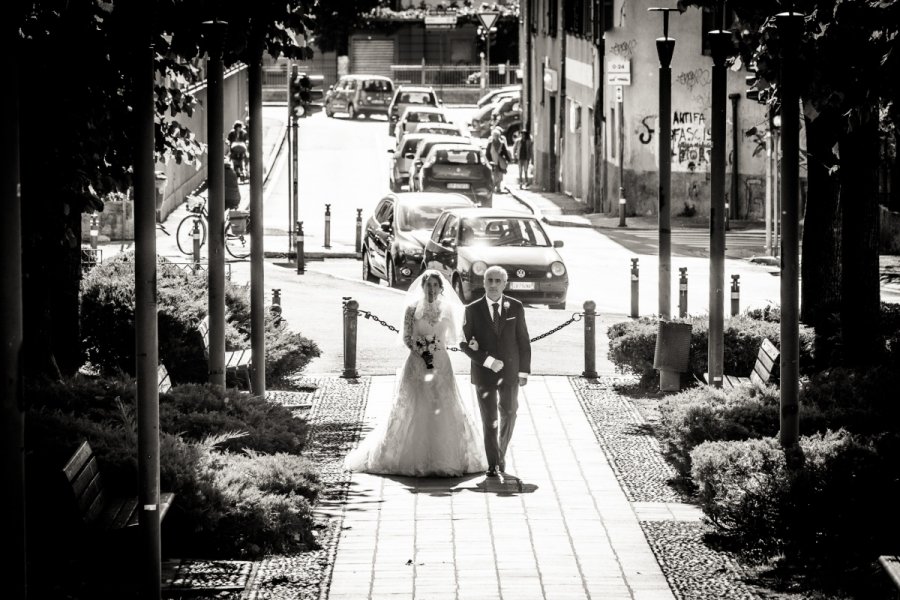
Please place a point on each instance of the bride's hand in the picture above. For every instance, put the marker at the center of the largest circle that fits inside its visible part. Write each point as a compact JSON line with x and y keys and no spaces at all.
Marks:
{"x":473,"y":345}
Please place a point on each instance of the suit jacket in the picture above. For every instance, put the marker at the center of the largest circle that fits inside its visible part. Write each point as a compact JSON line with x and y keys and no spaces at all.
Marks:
{"x":511,"y":345}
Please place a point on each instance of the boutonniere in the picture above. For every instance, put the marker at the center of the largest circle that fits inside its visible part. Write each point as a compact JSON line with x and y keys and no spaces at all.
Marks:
{"x":506,"y":305}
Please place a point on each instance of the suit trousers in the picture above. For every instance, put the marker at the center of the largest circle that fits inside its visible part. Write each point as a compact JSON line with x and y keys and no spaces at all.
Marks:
{"x":498,"y":406}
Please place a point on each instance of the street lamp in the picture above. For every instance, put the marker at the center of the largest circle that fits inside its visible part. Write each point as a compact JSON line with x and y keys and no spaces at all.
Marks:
{"x":665,"y":48}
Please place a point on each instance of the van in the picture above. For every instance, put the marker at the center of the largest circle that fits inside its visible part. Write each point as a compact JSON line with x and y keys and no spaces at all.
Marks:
{"x":357,"y":95}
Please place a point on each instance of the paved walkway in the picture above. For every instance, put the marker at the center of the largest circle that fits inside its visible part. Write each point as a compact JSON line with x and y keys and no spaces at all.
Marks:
{"x":561,"y":528}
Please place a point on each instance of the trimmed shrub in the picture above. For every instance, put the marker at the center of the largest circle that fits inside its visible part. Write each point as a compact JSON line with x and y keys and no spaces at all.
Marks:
{"x":107,"y":323}
{"x":837,"y":510}
{"x":632,"y":345}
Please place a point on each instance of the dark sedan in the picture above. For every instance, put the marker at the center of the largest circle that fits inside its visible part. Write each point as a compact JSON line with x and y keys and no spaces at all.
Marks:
{"x":395,"y":234}
{"x":459,"y":168}
{"x":465,"y":242}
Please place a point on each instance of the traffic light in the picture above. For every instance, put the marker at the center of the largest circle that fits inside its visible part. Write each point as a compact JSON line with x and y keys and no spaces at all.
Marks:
{"x":306,"y":94}
{"x":758,"y":89}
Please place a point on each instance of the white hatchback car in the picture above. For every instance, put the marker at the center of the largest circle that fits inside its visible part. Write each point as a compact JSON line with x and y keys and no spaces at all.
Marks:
{"x":414,"y":116}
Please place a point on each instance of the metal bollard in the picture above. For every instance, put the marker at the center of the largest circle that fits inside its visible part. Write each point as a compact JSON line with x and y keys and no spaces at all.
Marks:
{"x":735,"y":294}
{"x":276,"y":309}
{"x":301,"y":259}
{"x":359,"y":233}
{"x":590,"y":339}
{"x":634,"y":288}
{"x":350,"y":322}
{"x":328,"y":226}
{"x":622,"y":207}
{"x":195,"y":235}
{"x":682,"y":292}
{"x":95,"y":232}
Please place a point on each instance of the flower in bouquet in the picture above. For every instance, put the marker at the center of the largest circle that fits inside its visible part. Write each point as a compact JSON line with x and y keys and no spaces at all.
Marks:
{"x":425,"y":346}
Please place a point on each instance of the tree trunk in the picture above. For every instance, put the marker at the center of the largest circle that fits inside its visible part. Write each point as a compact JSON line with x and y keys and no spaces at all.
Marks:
{"x":820,"y":280}
{"x":860,"y":299}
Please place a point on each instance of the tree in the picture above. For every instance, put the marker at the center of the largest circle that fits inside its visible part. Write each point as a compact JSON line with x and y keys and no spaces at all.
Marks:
{"x":846,"y":55}
{"x":76,"y":97}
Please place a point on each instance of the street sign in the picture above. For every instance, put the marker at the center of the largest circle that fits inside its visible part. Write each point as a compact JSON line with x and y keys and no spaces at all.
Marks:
{"x":618,"y":66}
{"x":619,"y":97}
{"x":618,"y":79}
{"x":440,"y":21}
{"x":488,"y":19}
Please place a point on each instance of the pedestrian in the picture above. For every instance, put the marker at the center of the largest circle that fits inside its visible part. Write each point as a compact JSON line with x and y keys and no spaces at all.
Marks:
{"x":499,"y":157}
{"x":232,"y":191}
{"x":524,"y":154}
{"x":238,"y":139}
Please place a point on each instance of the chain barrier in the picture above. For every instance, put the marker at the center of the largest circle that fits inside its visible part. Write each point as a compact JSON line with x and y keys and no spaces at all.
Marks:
{"x":573,"y":319}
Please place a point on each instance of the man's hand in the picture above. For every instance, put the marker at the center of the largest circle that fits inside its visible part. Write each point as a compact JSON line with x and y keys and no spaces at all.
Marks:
{"x":497,"y":365}
{"x":523,"y":381}
{"x":473,"y":344}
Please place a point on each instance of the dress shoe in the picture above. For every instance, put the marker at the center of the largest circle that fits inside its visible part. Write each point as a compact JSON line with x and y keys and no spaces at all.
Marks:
{"x":492,"y":472}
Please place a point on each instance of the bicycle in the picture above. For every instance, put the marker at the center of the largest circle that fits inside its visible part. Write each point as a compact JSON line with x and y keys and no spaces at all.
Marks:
{"x":237,"y":237}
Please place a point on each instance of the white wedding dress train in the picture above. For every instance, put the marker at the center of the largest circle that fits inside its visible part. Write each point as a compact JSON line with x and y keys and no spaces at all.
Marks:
{"x":430,"y":430}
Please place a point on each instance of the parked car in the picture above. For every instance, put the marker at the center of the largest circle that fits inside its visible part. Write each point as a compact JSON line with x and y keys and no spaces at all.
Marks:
{"x":395,"y":234}
{"x":464,"y":242}
{"x":414,"y":116}
{"x":443,"y":129}
{"x":401,"y":159}
{"x":460,"y":168}
{"x":480,"y":124}
{"x":493,"y":95}
{"x":423,"y":147}
{"x":359,"y":95}
{"x":510,"y":123}
{"x":497,"y":114}
{"x":409,"y":95}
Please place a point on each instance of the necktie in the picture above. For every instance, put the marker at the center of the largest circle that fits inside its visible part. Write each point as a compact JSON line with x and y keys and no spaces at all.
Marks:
{"x":496,"y":306}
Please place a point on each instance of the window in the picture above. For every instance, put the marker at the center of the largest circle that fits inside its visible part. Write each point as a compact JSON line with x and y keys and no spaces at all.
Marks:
{"x":552,"y":20}
{"x":450,"y":228}
{"x":578,"y":17}
{"x":385,"y":212}
{"x":602,"y":18}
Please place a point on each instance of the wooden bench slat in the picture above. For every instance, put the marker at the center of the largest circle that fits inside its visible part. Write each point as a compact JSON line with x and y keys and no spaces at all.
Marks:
{"x":78,"y":460}
{"x":119,"y":513}
{"x":164,"y":383}
{"x":762,"y":368}
{"x":769,"y":349}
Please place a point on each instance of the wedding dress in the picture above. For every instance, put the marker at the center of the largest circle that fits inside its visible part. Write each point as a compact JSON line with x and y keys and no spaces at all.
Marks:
{"x":430,"y":430}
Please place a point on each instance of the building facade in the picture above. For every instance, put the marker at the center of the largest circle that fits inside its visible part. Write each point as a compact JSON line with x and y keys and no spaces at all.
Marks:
{"x":592,"y":97}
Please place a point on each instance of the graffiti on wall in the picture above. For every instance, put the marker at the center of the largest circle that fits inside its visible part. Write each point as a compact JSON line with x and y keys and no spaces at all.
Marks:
{"x":645,"y":129}
{"x":691,"y":141}
{"x":691,"y":79}
{"x":624,"y":49}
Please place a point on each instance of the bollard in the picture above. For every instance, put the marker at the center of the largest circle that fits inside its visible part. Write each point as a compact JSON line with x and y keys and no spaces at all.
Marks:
{"x":590,"y":339}
{"x":275,"y":309}
{"x":359,"y":234}
{"x":735,"y":294}
{"x":328,"y":226}
{"x":634,"y":288}
{"x":682,"y":292}
{"x":95,"y":221}
{"x":350,"y":321}
{"x":299,"y":251}
{"x":622,"y":206}
{"x":195,"y":235}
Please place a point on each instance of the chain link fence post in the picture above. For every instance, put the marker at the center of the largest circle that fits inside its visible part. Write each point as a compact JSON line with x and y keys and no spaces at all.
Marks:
{"x":634,"y":288}
{"x":328,"y":226}
{"x":301,"y":260}
{"x":351,"y":313}
{"x":359,"y":224}
{"x":195,"y":236}
{"x":590,"y":339}
{"x":682,"y":292}
{"x":735,"y":295}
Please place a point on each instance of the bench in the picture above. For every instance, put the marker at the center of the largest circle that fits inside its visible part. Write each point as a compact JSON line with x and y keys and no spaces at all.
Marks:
{"x":237,"y":362}
{"x":98,"y":507}
{"x":891,"y":566}
{"x":163,"y":382}
{"x":766,"y":359}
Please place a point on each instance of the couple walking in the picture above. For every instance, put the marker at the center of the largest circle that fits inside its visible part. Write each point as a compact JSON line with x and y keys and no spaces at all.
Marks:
{"x":431,"y":430}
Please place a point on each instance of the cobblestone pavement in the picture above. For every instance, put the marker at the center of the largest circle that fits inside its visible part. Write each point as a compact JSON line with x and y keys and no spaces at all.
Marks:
{"x":590,"y":515}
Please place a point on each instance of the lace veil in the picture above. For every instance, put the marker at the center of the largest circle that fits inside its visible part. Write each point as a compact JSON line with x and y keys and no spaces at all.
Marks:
{"x":447,"y":304}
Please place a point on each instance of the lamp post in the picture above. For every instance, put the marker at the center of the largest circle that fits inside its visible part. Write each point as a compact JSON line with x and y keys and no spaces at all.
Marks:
{"x":665,"y":48}
{"x":257,"y":262}
{"x":720,"y":44}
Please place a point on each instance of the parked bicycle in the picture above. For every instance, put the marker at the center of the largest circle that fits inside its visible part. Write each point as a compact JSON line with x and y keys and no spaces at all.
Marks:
{"x":237,"y":229}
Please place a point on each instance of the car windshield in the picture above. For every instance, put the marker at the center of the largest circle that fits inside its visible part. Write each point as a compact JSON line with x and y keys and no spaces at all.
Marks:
{"x":456,"y":156}
{"x":376,"y":85}
{"x":422,"y":216}
{"x":502,"y":231}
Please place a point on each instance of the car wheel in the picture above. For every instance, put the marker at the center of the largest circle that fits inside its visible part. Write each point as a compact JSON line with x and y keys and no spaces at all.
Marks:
{"x":367,"y":269}
{"x":391,"y":278}
{"x":558,"y":306}
{"x":351,"y":112}
{"x":458,"y":288}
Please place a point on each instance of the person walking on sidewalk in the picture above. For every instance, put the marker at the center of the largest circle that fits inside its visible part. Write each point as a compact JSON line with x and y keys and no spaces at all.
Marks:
{"x":232,"y":191}
{"x":523,"y":151}
{"x":499,"y":157}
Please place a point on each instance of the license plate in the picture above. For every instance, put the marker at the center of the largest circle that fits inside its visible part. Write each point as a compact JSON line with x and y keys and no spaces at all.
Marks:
{"x":457,"y":186}
{"x":521,"y":285}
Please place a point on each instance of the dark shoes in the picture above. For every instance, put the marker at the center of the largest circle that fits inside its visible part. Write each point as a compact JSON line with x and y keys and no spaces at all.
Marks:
{"x":493,"y":472}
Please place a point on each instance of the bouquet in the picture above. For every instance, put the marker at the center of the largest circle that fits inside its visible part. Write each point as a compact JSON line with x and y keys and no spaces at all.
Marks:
{"x":425,"y":346}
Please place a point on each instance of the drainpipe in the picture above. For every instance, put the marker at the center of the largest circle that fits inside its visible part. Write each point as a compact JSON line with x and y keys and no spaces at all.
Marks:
{"x":735,"y":164}
{"x":561,"y":130}
{"x":527,"y":80}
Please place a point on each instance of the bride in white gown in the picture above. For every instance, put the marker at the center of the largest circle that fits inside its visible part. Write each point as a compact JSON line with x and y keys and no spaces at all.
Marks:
{"x":430,"y":430}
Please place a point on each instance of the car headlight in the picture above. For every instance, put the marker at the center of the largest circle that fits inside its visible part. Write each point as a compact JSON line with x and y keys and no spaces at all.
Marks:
{"x":558,"y":269}
{"x":409,"y":250}
{"x":479,"y":267}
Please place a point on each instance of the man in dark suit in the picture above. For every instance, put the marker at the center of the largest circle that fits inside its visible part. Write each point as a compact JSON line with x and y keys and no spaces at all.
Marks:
{"x":496,"y":339}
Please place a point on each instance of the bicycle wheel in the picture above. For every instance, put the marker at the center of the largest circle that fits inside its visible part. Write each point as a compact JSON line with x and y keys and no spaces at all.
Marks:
{"x":237,"y":245}
{"x":184,"y":235}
